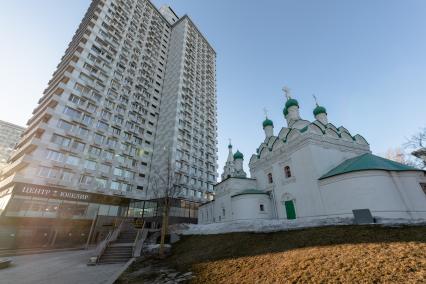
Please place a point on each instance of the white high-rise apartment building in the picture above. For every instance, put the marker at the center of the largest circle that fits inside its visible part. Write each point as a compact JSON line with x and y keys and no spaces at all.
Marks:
{"x":134,"y":81}
{"x":9,"y":136}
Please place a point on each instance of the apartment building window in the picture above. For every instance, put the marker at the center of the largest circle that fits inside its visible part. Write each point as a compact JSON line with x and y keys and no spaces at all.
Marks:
{"x":91,"y":107}
{"x":95,"y":151}
{"x":78,"y":146}
{"x":48,"y":172}
{"x":102,"y":126}
{"x":101,"y":183}
{"x":87,"y":119}
{"x":107,"y":155}
{"x":105,"y":168}
{"x":115,"y":185}
{"x":82,"y":132}
{"x":85,"y":179}
{"x":76,"y":99}
{"x":67,"y":176}
{"x":118,"y":172}
{"x":72,"y":160}
{"x":75,"y":114}
{"x":65,"y":125}
{"x":54,"y":156}
{"x":90,"y":165}
{"x":112,"y":142}
{"x":116,"y":131}
{"x":98,"y":138}
{"x":60,"y":140}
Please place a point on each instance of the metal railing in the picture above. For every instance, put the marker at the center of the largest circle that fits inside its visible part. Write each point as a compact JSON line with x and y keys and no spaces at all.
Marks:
{"x":111,"y":237}
{"x":139,"y":240}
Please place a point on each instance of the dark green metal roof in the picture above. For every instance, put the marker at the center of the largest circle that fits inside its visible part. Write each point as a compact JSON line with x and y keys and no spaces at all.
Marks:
{"x":291,"y":102}
{"x":285,"y":111}
{"x":238,"y":155}
{"x":367,"y":162}
{"x":267,"y":122}
{"x":250,"y":191}
{"x":319,"y":109}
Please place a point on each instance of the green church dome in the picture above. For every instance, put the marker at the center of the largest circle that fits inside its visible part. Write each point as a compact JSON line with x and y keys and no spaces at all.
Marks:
{"x":319,"y":109}
{"x":290,"y":103}
{"x":285,"y":111}
{"x":267,"y":122}
{"x":230,"y":146}
{"x":238,"y":155}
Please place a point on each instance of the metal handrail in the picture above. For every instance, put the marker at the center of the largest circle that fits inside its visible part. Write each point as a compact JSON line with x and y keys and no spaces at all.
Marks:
{"x":140,"y":239}
{"x":111,"y":237}
{"x":102,"y":246}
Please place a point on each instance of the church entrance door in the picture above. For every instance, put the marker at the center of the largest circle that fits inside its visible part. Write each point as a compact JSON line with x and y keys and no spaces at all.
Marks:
{"x":289,"y":209}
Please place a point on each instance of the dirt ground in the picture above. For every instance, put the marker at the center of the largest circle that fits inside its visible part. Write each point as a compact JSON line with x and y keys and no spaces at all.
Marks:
{"x":345,"y":254}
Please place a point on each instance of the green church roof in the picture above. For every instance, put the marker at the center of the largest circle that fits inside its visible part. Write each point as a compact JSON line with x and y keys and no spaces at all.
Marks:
{"x":319,"y":109}
{"x":367,"y":162}
{"x":238,"y":155}
{"x":291,"y":102}
{"x":250,"y":191}
{"x":267,"y":122}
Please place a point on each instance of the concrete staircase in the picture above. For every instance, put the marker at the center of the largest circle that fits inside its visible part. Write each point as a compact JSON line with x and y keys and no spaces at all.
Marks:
{"x":121,"y":250}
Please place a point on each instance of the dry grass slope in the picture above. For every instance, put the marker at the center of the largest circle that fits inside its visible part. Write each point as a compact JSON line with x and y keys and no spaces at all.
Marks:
{"x":346,"y":254}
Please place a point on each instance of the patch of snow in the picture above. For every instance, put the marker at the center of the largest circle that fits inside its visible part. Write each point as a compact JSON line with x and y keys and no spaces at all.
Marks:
{"x":266,"y":226}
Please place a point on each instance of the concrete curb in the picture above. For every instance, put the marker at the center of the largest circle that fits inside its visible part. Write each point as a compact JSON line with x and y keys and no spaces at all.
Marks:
{"x":35,"y":251}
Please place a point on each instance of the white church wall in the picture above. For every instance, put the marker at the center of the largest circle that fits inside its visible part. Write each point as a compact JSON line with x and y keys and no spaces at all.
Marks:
{"x":221,"y":207}
{"x":410,"y":189}
{"x":251,"y":206}
{"x":308,"y":160}
{"x":374,"y":190}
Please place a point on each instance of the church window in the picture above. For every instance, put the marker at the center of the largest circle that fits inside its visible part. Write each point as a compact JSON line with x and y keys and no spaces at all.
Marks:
{"x":270,"y":180}
{"x":287,"y":171}
{"x":262,"y":207}
{"x":223,"y":212}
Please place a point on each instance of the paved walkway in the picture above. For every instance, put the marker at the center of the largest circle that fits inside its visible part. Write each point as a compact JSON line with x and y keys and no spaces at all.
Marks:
{"x":58,"y":267}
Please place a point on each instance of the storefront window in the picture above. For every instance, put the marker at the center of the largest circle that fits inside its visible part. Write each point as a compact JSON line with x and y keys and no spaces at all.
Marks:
{"x":36,"y":207}
{"x":51,"y":209}
{"x":92,"y":210}
{"x":18,"y":206}
{"x":113,"y":211}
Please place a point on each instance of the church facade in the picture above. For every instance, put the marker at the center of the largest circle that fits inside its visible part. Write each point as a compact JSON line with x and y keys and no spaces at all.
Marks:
{"x":314,"y":170}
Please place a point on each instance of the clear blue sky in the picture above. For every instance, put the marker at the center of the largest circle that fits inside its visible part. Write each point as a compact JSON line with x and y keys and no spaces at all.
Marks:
{"x":365,"y":60}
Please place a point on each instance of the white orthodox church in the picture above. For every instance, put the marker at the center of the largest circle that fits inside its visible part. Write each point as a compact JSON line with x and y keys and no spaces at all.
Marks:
{"x":314,"y":170}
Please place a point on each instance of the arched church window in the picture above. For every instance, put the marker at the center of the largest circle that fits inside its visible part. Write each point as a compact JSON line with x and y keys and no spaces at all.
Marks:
{"x":223,"y":212}
{"x":287,"y":171}
{"x":270,"y":180}
{"x":262,"y":207}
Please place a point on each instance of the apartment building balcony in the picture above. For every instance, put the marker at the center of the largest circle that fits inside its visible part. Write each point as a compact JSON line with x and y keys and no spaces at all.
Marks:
{"x":26,"y":148}
{"x":17,"y":165}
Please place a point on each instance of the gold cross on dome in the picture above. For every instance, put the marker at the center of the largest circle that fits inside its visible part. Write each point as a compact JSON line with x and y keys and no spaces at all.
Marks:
{"x":315,"y":98}
{"x":265,"y":111}
{"x":287,"y":92}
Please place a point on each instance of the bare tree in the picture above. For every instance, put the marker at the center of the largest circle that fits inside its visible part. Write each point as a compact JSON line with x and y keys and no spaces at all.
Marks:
{"x":416,"y":145}
{"x":396,"y":155}
{"x":417,"y":140}
{"x":166,"y":186}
